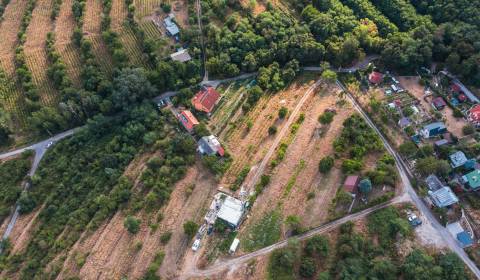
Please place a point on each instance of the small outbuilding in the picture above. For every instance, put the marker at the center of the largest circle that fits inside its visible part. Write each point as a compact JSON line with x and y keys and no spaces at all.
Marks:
{"x":438,"y":103}
{"x":458,"y":159}
{"x":351,"y":184}
{"x":404,"y":122}
{"x":433,"y":183}
{"x":234,"y":246}
{"x":433,"y":129}
{"x":375,"y":77}
{"x":172,"y":28}
{"x":463,"y":237}
{"x":209,"y":145}
{"x":181,"y":55}
{"x":472,"y":179}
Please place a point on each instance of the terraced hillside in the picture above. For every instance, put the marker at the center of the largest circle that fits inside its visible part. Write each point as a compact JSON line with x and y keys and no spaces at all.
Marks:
{"x":35,"y":51}
{"x":92,"y":30}
{"x":11,"y":96}
{"x":64,"y":26}
{"x":128,"y":39}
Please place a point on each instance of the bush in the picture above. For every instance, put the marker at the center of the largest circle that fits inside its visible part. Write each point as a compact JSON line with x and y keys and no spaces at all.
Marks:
{"x":350,"y":166}
{"x":326,"y":117}
{"x":272,"y":130}
{"x":307,"y":268}
{"x":282,"y":113}
{"x":468,"y":129}
{"x":165,"y":237}
{"x":326,"y":164}
{"x":190,"y":228}
{"x":132,"y":224}
{"x":317,"y":246}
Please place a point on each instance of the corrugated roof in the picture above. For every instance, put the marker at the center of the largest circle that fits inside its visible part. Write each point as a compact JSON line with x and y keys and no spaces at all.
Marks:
{"x":443,"y":197}
{"x":231,"y":211}
{"x":181,"y":55}
{"x":458,"y":159}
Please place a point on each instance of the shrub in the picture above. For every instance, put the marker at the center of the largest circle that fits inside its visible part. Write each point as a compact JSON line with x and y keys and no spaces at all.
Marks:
{"x":282,"y":113}
{"x":272,"y":130}
{"x":317,"y":246}
{"x":165,"y":237}
{"x":190,"y":228}
{"x":132,"y":224}
{"x":468,"y":129}
{"x":350,"y":166}
{"x":307,"y":267}
{"x":326,"y":164}
{"x":326,"y":117}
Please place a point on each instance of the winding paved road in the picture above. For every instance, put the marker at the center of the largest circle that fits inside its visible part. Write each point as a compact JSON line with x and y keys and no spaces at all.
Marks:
{"x":39,"y":148}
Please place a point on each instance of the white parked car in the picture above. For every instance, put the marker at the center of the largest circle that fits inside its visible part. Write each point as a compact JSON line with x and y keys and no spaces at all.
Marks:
{"x":196,"y":245}
{"x":49,"y":144}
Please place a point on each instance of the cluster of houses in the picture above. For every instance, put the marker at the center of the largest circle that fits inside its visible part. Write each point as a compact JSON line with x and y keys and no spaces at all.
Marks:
{"x":204,"y":101}
{"x":376,"y":78}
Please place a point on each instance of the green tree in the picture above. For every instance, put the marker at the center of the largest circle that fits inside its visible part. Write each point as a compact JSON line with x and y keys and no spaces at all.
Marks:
{"x":307,"y":267}
{"x":365,"y":186}
{"x":317,"y":246}
{"x":190,"y":228}
{"x":431,"y":165}
{"x":408,"y":148}
{"x":329,"y":76}
{"x":326,"y":164}
{"x":282,"y":113}
{"x":272,"y":130}
{"x":132,"y":224}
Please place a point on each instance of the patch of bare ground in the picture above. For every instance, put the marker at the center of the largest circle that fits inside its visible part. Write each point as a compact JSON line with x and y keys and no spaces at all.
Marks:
{"x":180,"y":9}
{"x":248,"y":146}
{"x":64,"y":26}
{"x":308,"y":147}
{"x":9,"y":28}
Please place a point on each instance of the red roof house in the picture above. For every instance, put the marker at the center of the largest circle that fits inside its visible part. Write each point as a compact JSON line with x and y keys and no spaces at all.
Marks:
{"x":461,"y":97}
{"x":375,"y":77}
{"x":455,"y":88}
{"x":474,"y":115}
{"x":188,"y":120}
{"x":205,"y":99}
{"x":351,"y":184}
{"x":438,"y":103}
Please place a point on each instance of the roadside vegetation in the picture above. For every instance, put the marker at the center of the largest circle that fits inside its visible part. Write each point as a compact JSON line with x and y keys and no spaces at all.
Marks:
{"x":12,"y":172}
{"x":350,"y":254}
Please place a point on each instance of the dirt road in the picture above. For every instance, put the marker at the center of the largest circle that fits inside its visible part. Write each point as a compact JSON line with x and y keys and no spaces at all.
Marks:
{"x":250,"y":182}
{"x":192,"y":271}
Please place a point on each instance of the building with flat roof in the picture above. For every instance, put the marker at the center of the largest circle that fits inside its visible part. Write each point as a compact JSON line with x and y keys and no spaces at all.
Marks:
{"x":231,"y":211}
{"x":433,"y":183}
{"x":181,"y":55}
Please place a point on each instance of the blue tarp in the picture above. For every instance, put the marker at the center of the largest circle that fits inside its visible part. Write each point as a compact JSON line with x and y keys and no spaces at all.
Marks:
{"x":464,"y":239}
